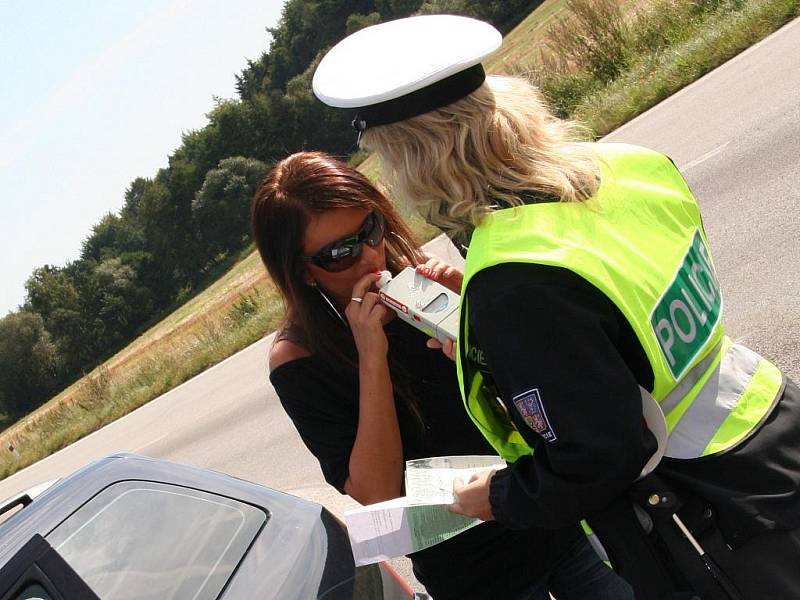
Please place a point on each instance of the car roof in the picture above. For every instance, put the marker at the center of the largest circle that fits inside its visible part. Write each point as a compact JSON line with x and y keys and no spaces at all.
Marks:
{"x":297,"y":532}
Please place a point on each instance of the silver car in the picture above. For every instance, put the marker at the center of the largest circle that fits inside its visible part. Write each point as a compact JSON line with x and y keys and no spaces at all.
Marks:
{"x":129,"y":527}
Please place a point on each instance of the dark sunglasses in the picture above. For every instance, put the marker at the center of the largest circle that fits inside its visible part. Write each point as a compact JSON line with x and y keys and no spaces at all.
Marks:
{"x":343,"y":254}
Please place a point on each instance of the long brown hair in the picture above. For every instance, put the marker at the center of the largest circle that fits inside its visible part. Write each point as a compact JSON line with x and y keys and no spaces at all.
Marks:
{"x":297,"y":187}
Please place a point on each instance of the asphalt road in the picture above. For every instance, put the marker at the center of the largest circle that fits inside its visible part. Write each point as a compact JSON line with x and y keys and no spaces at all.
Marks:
{"x":736,"y":136}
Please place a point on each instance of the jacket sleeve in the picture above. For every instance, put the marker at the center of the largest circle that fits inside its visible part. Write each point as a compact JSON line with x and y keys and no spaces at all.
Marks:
{"x":552,"y":347}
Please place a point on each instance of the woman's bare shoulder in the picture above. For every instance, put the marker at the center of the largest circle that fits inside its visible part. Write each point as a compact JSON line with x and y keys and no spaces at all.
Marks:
{"x":284,"y":351}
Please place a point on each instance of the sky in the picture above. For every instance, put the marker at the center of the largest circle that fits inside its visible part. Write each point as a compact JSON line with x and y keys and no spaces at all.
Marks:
{"x":94,"y":93}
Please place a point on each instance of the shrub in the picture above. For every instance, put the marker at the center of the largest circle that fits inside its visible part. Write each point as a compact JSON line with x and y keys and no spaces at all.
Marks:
{"x":244,"y":308}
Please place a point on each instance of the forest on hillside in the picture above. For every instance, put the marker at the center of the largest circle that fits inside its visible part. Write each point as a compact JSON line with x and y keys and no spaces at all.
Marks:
{"x":181,"y":227}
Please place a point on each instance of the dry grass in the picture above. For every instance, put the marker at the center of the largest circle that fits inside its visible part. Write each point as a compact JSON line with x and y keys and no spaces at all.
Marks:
{"x":526,"y":39}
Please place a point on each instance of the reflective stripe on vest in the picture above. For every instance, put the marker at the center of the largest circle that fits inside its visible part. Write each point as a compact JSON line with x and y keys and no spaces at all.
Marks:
{"x":733,"y":396}
{"x":640,"y":242}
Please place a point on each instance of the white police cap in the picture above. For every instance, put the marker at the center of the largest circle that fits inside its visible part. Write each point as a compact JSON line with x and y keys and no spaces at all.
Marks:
{"x":400,"y":69}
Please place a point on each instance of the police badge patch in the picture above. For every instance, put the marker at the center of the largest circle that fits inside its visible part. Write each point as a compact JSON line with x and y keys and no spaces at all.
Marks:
{"x":530,"y":407}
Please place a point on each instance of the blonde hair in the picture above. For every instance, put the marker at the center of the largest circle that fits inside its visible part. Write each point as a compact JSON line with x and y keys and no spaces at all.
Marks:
{"x":498,"y":145}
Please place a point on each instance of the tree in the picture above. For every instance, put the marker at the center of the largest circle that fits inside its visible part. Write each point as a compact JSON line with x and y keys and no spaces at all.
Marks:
{"x":133,"y":197}
{"x":51,"y":292}
{"x":112,"y":236}
{"x":162,"y":236}
{"x":392,"y":9}
{"x":254,"y":80}
{"x":305,"y":28}
{"x":221,"y":209}
{"x":503,"y":14}
{"x":114,"y":304}
{"x":318,"y":126}
{"x":28,"y":363}
{"x":356,"y":21}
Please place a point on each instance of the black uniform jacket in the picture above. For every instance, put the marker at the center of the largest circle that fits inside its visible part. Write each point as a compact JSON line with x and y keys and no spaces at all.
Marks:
{"x":557,"y":348}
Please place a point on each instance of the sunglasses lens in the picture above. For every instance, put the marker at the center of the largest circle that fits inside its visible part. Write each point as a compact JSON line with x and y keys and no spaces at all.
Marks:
{"x":344,"y":254}
{"x":374,"y":236}
{"x":340,"y":258}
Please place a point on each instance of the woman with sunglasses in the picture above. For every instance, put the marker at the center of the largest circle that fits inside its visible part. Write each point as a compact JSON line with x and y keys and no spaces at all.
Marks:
{"x":365,"y":392}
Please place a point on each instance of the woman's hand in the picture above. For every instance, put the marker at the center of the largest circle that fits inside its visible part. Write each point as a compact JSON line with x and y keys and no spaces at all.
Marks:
{"x":472,"y":498}
{"x":376,"y":460}
{"x":366,"y":319}
{"x":438,"y":270}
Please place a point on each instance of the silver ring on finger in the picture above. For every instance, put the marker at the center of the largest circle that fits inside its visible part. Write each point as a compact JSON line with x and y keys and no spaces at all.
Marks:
{"x":356,"y":299}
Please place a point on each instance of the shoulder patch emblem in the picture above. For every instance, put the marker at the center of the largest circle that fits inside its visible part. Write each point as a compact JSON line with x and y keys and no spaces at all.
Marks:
{"x":531,"y":408}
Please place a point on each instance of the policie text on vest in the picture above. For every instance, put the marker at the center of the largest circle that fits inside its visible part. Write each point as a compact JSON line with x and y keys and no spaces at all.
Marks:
{"x":687,"y":313}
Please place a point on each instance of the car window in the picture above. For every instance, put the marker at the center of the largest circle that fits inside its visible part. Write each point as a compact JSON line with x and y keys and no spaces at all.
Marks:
{"x":140,"y":539}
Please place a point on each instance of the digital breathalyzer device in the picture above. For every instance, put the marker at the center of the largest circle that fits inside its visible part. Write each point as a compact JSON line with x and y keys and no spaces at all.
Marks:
{"x":423,"y":303}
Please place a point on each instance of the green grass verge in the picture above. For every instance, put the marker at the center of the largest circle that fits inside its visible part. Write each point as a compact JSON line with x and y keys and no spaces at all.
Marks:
{"x":652,"y":78}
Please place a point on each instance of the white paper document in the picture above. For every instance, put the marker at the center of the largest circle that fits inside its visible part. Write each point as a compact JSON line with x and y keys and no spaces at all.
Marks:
{"x":395,"y":527}
{"x":430,"y":480}
{"x":420,"y":519}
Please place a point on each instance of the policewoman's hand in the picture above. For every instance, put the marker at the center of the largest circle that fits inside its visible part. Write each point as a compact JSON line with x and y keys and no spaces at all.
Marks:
{"x":366,"y":317}
{"x":472,"y":498}
{"x":448,"y":347}
{"x":437,"y":270}
{"x":450,"y":277}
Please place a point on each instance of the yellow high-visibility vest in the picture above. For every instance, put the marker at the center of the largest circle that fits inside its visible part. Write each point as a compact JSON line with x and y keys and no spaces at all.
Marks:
{"x":640,"y":241}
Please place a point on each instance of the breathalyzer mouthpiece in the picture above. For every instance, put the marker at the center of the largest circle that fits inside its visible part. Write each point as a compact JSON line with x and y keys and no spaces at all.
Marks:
{"x":385,"y":278}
